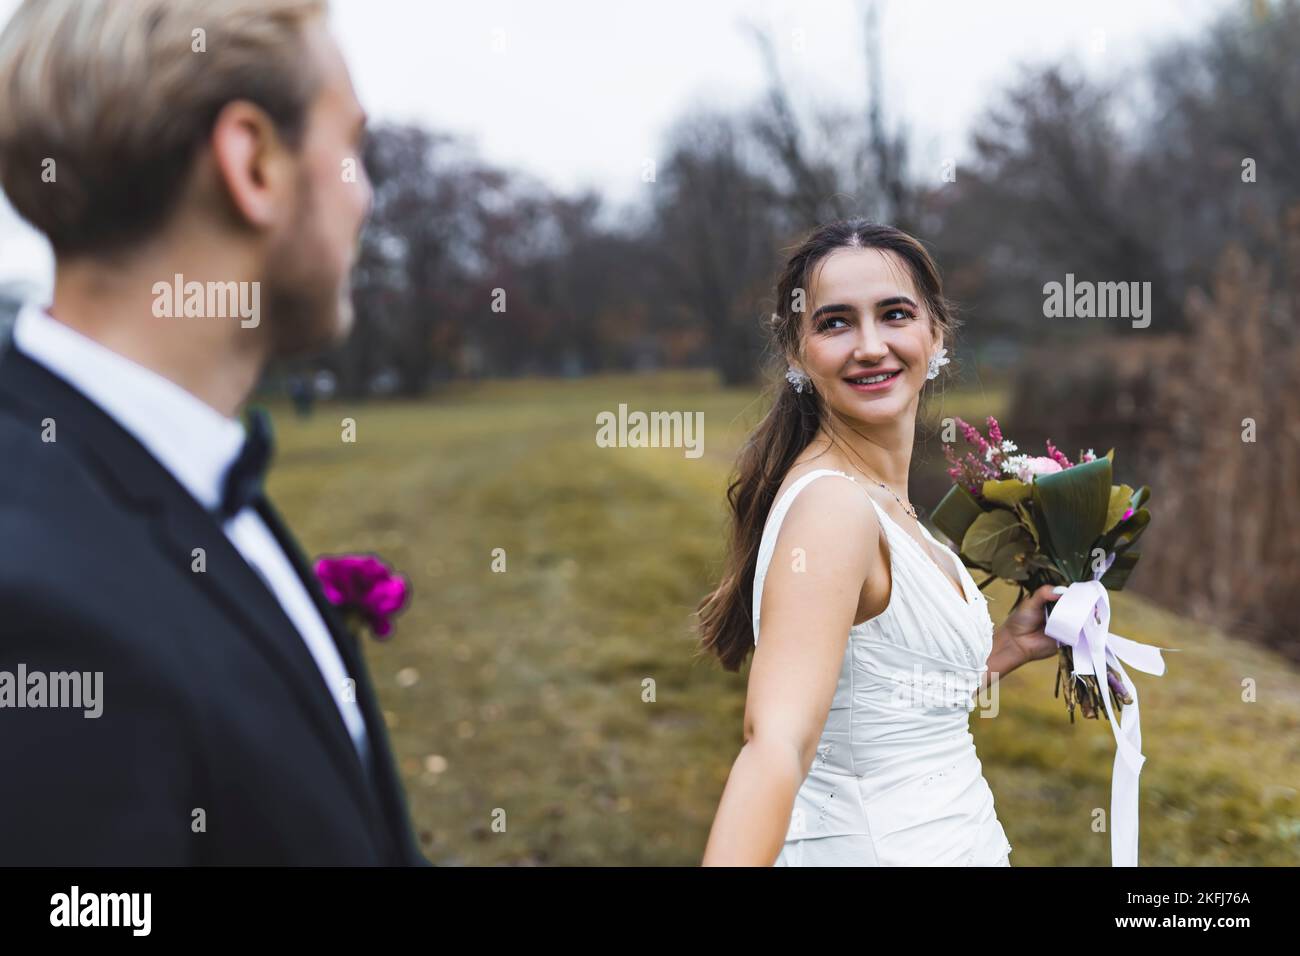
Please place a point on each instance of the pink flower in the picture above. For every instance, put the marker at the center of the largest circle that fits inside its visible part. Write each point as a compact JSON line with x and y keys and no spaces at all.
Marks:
{"x":995,"y":431}
{"x":362,"y":585}
{"x":1057,"y":457}
{"x":1037,"y":466}
{"x":972,"y":435}
{"x":972,"y":470}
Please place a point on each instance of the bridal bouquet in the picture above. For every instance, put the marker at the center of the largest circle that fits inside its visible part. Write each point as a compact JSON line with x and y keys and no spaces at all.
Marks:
{"x":1045,"y":520}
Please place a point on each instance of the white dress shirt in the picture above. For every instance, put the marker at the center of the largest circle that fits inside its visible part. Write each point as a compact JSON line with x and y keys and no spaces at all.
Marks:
{"x":196,"y":443}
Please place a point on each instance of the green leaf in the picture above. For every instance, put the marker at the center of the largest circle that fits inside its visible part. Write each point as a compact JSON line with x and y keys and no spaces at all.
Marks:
{"x":1008,"y":492}
{"x":1073,"y":504}
{"x":990,"y":533}
{"x":1140,"y":497}
{"x":1120,"y":498}
{"x":1131,"y":530}
{"x":1120,"y":540}
{"x":1043,"y":565}
{"x":1026,"y":512}
{"x":1010,"y":560}
{"x":955,"y":513}
{"x":1117,"y":576}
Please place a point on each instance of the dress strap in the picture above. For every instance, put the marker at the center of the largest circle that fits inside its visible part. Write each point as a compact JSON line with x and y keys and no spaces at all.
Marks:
{"x":772,"y":530}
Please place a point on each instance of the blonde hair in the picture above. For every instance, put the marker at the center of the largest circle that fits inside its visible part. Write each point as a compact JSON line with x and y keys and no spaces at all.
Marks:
{"x":103,"y":104}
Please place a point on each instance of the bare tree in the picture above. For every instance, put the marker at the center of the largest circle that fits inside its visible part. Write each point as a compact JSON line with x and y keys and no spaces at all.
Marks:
{"x":808,"y":149}
{"x":716,"y":234}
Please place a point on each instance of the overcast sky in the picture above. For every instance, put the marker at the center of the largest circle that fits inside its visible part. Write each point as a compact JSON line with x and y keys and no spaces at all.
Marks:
{"x":580,"y":92}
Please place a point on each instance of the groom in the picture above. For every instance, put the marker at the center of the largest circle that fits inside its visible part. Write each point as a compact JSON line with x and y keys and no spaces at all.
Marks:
{"x":174,"y":687}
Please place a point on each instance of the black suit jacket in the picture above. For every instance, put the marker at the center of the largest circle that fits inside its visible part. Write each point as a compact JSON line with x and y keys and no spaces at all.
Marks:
{"x":218,"y":742}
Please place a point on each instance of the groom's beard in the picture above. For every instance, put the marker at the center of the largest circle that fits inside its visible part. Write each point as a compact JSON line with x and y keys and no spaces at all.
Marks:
{"x":307,"y":316}
{"x":308,"y":305}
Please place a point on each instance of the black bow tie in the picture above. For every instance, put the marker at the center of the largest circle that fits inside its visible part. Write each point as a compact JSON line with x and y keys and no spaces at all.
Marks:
{"x":242,"y":485}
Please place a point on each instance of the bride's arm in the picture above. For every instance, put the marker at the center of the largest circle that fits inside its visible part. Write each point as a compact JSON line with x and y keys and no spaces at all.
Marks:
{"x":1003,"y":659}
{"x":806,"y":616}
{"x":1021,"y":638}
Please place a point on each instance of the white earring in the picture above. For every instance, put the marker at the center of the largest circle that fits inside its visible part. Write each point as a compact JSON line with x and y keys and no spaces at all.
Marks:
{"x":798,"y":379}
{"x":936,"y":361}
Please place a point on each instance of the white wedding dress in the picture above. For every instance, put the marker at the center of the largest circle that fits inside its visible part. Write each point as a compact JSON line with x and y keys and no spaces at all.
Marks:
{"x":896,"y":781}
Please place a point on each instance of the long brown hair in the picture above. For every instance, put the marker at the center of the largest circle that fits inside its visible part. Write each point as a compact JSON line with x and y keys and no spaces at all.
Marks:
{"x":725,"y":616}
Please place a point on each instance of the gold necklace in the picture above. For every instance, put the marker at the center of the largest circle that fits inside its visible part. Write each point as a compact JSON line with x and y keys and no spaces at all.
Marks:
{"x":904,"y":505}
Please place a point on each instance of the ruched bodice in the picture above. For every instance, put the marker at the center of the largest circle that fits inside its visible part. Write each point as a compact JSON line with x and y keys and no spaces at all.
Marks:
{"x":896,"y":780}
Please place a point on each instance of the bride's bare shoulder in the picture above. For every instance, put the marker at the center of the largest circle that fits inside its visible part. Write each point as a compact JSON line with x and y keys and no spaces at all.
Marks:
{"x":832,"y":511}
{"x":843,"y":480}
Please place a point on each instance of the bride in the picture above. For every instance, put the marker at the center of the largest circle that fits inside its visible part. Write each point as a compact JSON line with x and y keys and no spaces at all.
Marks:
{"x":875,"y":638}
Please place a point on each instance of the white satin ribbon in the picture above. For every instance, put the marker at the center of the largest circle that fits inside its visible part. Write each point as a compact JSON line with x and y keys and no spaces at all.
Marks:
{"x":1081,"y":618}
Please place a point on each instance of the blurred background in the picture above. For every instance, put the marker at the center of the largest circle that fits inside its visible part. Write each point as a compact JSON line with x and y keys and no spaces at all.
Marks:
{"x":584,"y":206}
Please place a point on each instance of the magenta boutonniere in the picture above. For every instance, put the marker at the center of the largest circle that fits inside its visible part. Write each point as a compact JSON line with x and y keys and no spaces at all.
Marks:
{"x":364,"y":588}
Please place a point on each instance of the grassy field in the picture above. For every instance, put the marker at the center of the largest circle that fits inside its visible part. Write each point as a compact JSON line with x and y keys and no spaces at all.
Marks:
{"x":563,"y":697}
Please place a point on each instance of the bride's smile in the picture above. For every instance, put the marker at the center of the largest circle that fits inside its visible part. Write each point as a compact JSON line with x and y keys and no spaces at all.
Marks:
{"x":865,"y":321}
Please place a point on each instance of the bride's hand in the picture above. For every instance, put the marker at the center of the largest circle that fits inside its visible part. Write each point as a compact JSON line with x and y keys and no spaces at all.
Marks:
{"x":1023,"y":628}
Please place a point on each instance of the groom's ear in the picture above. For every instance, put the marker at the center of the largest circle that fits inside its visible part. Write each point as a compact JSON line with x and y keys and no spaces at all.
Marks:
{"x":253,"y":165}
